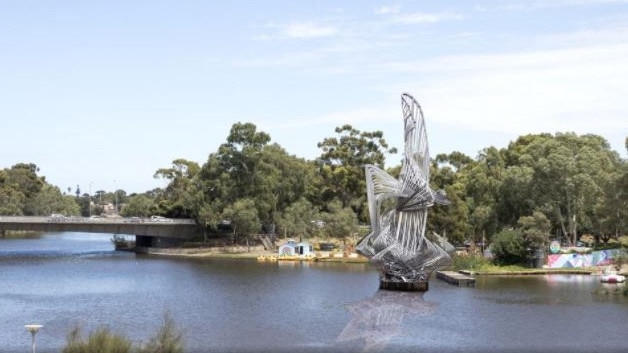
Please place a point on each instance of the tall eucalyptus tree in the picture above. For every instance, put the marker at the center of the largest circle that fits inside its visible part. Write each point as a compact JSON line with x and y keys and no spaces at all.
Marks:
{"x":249,"y":167}
{"x":341,"y":166}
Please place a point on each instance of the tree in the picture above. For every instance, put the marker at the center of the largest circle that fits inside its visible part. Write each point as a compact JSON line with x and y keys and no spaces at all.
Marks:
{"x":450,"y":221}
{"x":50,"y":200}
{"x":508,"y":247}
{"x":299,"y":219}
{"x":483,"y":181}
{"x":247,"y":166}
{"x":180,"y":198}
{"x":18,"y":185}
{"x":341,"y":166}
{"x":611,"y":212}
{"x":243,"y":218}
{"x":339,"y":222}
{"x":535,"y":230}
{"x":209,"y":218}
{"x":139,"y":205}
{"x":23,"y":177}
{"x":515,"y":199}
{"x":11,"y":201}
{"x":568,"y":178}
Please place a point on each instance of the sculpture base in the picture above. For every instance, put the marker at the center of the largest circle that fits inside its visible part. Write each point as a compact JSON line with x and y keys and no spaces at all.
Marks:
{"x":404,"y":286}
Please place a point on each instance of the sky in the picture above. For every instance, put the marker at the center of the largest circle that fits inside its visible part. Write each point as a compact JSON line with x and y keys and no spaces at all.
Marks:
{"x":101,"y":94}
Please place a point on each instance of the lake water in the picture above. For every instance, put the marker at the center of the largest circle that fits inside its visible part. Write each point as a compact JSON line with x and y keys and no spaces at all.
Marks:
{"x":66,"y":279}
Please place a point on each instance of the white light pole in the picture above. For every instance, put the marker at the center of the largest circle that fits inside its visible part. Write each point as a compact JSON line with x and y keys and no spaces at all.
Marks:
{"x":116,"y":191}
{"x":33,"y":330}
{"x":89,"y":205}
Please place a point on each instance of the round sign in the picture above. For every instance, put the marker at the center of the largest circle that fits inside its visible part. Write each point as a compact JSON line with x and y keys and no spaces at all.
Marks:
{"x":555,"y":246}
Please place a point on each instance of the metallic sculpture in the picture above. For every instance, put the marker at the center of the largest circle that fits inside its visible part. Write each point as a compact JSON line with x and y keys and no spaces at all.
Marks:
{"x":397,"y":244}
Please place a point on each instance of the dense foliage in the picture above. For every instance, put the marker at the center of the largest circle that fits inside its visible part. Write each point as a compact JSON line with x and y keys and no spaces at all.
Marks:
{"x":23,"y":192}
{"x":540,"y":187}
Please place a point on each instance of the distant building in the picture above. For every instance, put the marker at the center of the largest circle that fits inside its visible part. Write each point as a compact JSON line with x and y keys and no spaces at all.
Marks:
{"x":292,"y":248}
{"x":288,"y":249}
{"x":304,"y":248}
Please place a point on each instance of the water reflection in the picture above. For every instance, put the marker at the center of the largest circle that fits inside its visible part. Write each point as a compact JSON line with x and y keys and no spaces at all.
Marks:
{"x":379,"y":318}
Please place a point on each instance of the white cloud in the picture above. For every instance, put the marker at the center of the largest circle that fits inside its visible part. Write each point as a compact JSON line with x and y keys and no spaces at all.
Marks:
{"x":308,"y":30}
{"x":299,"y":30}
{"x":423,"y":18}
{"x":579,"y":90}
{"x":386,"y":10}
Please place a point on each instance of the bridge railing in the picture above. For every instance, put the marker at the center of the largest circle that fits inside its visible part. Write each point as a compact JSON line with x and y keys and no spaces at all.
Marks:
{"x":101,"y":220}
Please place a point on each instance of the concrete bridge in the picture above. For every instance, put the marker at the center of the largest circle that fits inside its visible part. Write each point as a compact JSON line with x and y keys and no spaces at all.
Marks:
{"x":148,"y":233}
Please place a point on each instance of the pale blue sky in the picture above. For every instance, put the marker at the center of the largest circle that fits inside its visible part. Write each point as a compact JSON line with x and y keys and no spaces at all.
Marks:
{"x":104,"y":93}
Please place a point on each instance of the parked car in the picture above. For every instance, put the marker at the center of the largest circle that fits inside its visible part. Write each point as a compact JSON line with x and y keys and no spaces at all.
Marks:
{"x":133,"y":220}
{"x":56,"y":218}
{"x":160,"y":219}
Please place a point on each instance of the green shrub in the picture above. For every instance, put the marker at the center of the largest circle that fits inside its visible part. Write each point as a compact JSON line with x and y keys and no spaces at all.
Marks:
{"x":508,"y":248}
{"x":608,"y":246}
{"x":102,"y":341}
{"x":168,"y":340}
{"x":469,"y":262}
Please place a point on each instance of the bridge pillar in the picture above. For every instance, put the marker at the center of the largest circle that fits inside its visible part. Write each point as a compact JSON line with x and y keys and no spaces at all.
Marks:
{"x":142,"y":243}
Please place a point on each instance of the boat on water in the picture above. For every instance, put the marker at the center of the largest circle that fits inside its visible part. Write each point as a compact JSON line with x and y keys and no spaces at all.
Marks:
{"x":613,"y":278}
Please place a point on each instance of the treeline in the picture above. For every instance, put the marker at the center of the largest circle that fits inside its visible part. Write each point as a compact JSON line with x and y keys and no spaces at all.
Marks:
{"x":540,"y":187}
{"x":24,"y":193}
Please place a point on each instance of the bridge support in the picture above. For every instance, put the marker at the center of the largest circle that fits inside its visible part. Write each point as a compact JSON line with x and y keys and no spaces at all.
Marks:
{"x":143,"y":243}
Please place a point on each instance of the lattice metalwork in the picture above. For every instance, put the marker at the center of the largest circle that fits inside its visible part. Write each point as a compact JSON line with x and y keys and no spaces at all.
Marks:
{"x":397,"y":244}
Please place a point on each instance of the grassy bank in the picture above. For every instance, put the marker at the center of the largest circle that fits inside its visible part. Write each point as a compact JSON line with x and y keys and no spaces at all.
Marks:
{"x":515,"y":270}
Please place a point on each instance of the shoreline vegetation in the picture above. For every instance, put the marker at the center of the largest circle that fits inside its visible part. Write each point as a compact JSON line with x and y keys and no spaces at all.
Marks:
{"x":256,"y":253}
{"x":261,"y":255}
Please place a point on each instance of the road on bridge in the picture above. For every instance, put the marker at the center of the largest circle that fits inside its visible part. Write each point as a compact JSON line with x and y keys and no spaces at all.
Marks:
{"x":157,"y":227}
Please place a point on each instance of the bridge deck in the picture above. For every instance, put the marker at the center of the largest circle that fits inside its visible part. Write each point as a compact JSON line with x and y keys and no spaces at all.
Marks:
{"x":172,"y":228}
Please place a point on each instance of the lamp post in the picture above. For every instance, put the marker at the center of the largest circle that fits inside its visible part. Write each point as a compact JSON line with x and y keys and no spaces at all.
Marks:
{"x":116,"y":191}
{"x":89,"y":205}
{"x":33,"y":330}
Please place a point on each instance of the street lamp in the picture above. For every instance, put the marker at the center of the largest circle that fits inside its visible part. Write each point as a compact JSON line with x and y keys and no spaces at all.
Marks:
{"x":116,"y":191}
{"x":89,"y":205}
{"x":33,"y":330}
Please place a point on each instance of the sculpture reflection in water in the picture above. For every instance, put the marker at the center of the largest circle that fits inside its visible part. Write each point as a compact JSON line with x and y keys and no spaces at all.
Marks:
{"x":378,"y":319}
{"x":397,"y":244}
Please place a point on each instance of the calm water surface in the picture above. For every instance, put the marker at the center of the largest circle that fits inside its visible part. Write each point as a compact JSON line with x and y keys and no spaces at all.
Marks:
{"x":61,"y":280}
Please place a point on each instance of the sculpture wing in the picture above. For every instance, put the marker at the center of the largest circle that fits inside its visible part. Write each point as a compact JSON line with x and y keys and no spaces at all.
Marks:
{"x":415,"y":171}
{"x":380,"y":186}
{"x":415,"y":137}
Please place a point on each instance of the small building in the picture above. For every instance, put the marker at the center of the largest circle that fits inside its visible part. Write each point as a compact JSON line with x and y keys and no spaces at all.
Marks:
{"x":292,"y":248}
{"x":304,"y":248}
{"x":288,"y":249}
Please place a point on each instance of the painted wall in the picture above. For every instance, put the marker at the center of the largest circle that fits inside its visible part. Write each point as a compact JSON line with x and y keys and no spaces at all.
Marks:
{"x":596,"y":258}
{"x":287,"y":249}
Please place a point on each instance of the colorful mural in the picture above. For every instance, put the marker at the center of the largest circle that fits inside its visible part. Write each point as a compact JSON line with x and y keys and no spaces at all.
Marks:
{"x":596,"y":258}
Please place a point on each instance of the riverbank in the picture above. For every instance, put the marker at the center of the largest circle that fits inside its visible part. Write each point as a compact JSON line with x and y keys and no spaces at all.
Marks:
{"x":259,"y":253}
{"x":255,"y":252}
{"x":596,"y":270}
